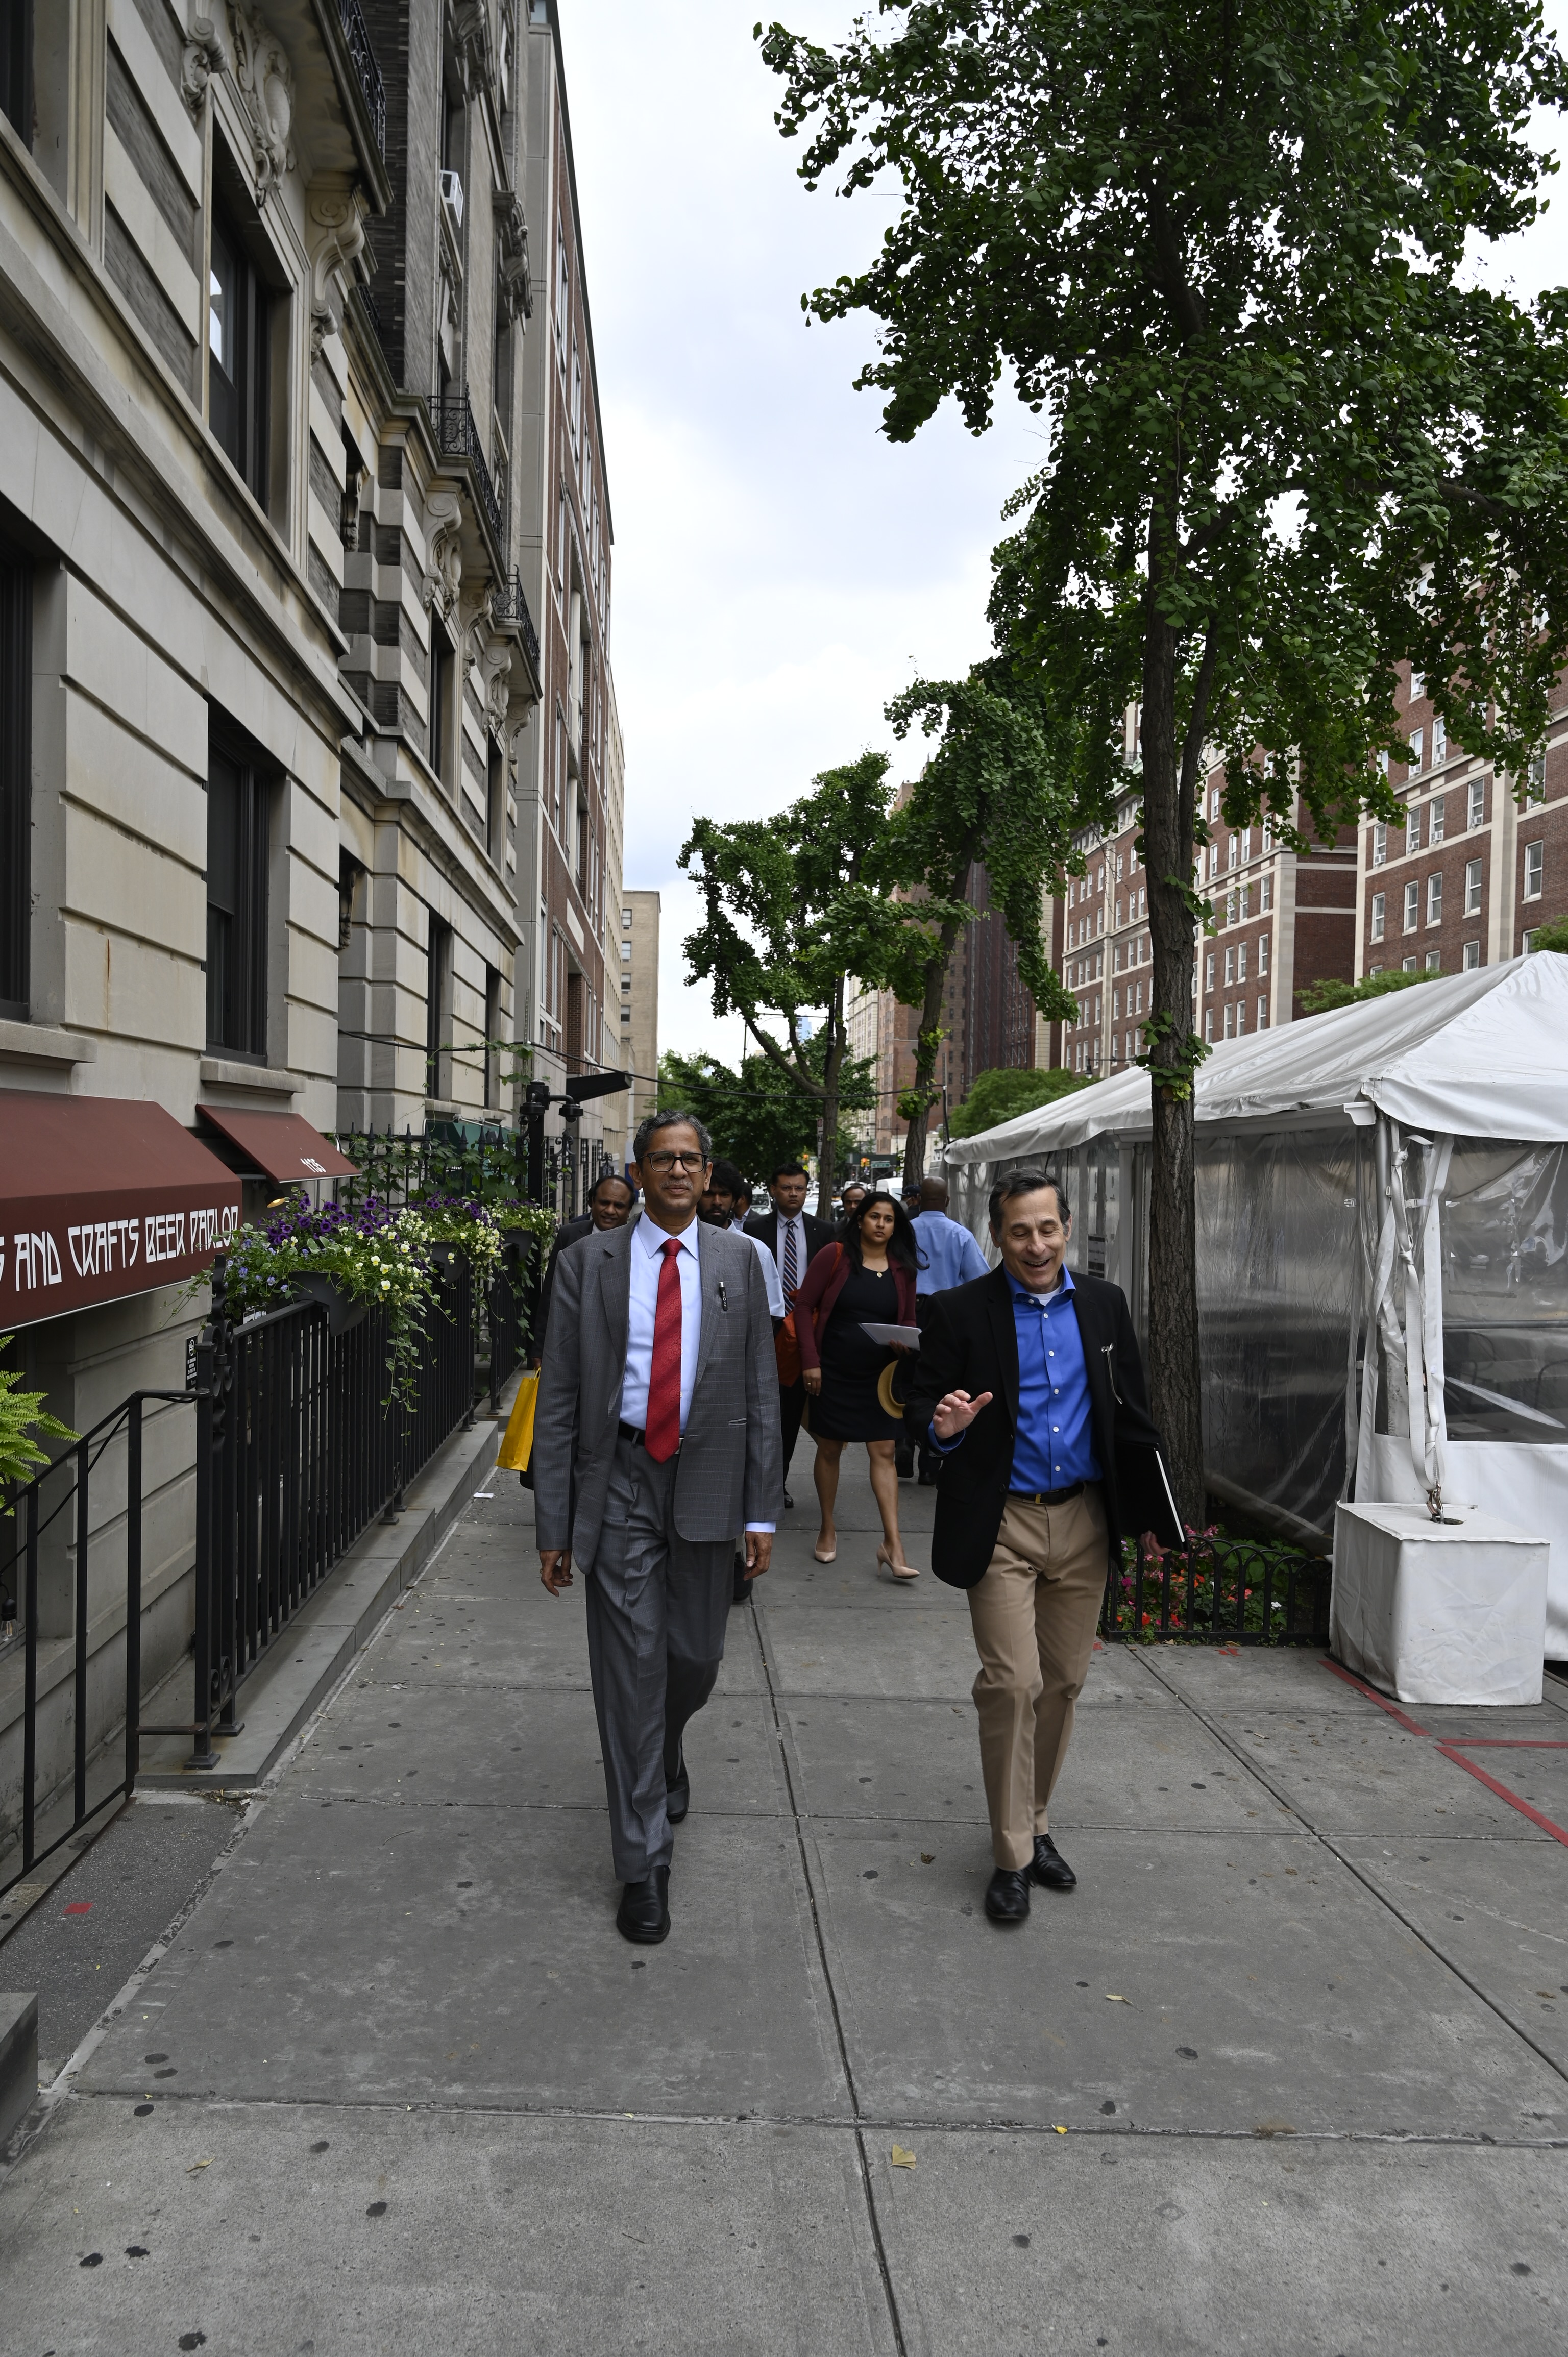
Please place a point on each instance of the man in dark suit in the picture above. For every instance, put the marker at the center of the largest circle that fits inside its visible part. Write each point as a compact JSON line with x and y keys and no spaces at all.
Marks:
{"x":612,"y":1199}
{"x":1030,"y":1384}
{"x":794,"y":1238}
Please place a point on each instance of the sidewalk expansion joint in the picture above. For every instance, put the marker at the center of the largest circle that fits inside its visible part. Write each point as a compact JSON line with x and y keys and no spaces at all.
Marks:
{"x":1491,"y":2003}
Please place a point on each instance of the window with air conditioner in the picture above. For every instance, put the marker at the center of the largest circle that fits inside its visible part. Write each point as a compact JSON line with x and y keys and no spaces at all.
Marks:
{"x":1477,"y":802}
{"x":1379,"y":844}
{"x":1413,"y":830}
{"x":1437,"y":819}
{"x":1439,"y":740}
{"x":1416,"y":746}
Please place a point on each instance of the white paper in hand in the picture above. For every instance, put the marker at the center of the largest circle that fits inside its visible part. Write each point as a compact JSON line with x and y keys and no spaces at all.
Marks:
{"x":909,"y":1335}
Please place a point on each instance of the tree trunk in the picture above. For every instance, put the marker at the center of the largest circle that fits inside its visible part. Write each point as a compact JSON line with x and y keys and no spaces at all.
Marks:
{"x":1168,"y":800}
{"x":832,"y":1065}
{"x":928,"y":1040}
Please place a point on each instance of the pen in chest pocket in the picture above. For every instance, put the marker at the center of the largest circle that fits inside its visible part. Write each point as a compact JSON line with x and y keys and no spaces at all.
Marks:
{"x":724,"y":1296}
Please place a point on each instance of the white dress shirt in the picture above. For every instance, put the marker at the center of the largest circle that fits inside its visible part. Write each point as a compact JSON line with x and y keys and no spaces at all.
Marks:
{"x":777,"y":1305}
{"x":645,"y":1261}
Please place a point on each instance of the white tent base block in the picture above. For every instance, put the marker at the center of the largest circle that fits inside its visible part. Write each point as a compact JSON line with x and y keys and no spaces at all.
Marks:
{"x":1439,"y":1612}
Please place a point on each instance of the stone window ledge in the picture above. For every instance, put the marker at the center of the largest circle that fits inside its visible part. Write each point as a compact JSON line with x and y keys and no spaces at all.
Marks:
{"x":42,"y":1043}
{"x":267,"y":1080}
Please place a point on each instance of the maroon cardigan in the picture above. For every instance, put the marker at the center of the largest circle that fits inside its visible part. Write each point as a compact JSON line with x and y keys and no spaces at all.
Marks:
{"x":816,"y":1297}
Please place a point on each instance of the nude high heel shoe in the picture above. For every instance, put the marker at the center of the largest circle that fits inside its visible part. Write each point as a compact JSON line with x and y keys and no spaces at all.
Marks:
{"x":900,"y":1570}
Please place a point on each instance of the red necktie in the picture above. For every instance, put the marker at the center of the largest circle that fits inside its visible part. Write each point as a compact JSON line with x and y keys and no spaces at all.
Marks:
{"x":661,"y":1438}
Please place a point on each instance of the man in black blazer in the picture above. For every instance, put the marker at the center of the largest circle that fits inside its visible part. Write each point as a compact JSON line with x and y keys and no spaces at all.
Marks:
{"x":1030,"y":1384}
{"x":794,"y":1238}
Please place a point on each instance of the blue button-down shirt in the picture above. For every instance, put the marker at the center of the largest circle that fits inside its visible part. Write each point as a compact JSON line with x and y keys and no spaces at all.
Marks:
{"x":1053,"y":1444}
{"x":951,"y":1255}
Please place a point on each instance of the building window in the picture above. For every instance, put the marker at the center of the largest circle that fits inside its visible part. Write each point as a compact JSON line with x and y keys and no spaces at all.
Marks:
{"x":1414,"y":750}
{"x":1379,"y":844}
{"x":239,"y":331}
{"x":1439,"y":740}
{"x":1477,"y":815}
{"x":1434,"y":961}
{"x":1229,"y":968}
{"x":1213,"y":801}
{"x":1208,"y":972}
{"x":1535,"y":790}
{"x":1410,"y":964}
{"x":1472,"y":888}
{"x":1438,"y":819}
{"x":437,"y":992}
{"x":495,"y":812}
{"x":1240,"y":1016}
{"x":1412,"y":906}
{"x":1241,"y":962}
{"x":442,"y":668}
{"x":17,"y":67}
{"x":1265,"y":896}
{"x":1534,"y":864}
{"x":1434,"y":897}
{"x":1262,"y":1013}
{"x":1413,"y":830}
{"x":1262,"y":954}
{"x":1230,"y":1020}
{"x":1233,"y":851}
{"x":1378,"y":908}
{"x":15,"y":779}
{"x":492,"y":1039}
{"x":239,"y":799}
{"x":1472,"y":956}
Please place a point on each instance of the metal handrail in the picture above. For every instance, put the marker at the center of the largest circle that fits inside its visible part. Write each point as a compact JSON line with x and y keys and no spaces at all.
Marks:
{"x":510,"y":603}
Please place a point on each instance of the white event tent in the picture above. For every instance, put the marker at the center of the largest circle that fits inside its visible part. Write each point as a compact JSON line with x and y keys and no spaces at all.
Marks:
{"x":1398,"y":1167}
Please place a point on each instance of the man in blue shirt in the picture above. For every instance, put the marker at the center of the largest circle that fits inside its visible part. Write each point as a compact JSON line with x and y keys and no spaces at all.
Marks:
{"x":1030,"y":1384}
{"x":948,"y":1256}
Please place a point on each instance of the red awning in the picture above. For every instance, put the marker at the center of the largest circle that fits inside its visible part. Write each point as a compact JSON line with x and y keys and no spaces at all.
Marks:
{"x":101,"y":1196}
{"x":282,"y":1145}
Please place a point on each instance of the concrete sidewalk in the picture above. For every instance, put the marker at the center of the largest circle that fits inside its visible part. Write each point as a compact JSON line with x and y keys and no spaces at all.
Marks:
{"x":398,"y":2086}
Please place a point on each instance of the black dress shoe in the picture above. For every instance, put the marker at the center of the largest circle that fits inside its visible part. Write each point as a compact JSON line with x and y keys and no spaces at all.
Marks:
{"x":1050,"y":1869}
{"x":789,"y":1501}
{"x":643,"y":1915}
{"x":741,"y":1592}
{"x":677,"y":1792}
{"x":1007,"y":1895}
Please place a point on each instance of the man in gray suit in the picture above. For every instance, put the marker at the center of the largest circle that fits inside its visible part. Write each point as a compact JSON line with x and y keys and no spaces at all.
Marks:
{"x":656,"y":1439}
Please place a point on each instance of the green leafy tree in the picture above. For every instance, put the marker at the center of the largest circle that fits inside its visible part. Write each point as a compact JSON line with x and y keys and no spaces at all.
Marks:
{"x":24,"y":1420}
{"x":1553,"y":936}
{"x":989,"y":795}
{"x":760,"y":1115}
{"x":1323,"y":997}
{"x":1004,"y":1093}
{"x":794,"y":906}
{"x":1290,"y":442}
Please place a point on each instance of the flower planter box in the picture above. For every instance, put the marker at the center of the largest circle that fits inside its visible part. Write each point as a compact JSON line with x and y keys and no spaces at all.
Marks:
{"x":1439,"y":1612}
{"x":343,"y":1312}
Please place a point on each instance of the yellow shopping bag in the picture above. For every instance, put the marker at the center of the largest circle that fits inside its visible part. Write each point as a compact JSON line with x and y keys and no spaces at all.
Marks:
{"x":517,"y":1445}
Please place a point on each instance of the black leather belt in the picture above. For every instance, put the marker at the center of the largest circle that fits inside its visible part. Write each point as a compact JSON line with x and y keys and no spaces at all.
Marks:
{"x":1040,"y":1497}
{"x":639,"y":1438}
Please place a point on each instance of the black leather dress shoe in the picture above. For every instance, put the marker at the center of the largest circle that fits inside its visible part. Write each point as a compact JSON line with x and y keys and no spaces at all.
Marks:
{"x":677,"y":1792}
{"x":741,"y":1591}
{"x":1007,"y":1895}
{"x":643,"y":1915}
{"x":1050,"y":1869}
{"x":789,"y":1501}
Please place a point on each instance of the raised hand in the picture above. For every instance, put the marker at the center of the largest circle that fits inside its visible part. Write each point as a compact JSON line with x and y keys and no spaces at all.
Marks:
{"x":956,"y":1413}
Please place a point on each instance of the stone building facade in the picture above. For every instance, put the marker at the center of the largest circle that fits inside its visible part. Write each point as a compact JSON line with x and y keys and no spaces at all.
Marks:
{"x":1477,"y":869}
{"x":638,"y":958}
{"x":273,"y":472}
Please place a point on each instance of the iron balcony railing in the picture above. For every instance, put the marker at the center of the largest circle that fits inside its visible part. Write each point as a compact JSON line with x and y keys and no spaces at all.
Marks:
{"x":356,"y":32}
{"x":511,"y":605}
{"x":458,"y":437}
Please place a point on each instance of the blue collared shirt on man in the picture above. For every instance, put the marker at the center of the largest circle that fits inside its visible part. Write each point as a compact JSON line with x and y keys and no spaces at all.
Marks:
{"x":950,"y":1254}
{"x":1053,"y":1444}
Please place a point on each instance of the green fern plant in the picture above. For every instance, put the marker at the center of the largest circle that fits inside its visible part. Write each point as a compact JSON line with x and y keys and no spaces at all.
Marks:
{"x":23,"y":1418}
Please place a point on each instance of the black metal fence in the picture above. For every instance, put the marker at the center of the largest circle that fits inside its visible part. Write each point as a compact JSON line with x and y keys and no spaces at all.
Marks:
{"x":1217,"y":1590}
{"x":296,"y":1451}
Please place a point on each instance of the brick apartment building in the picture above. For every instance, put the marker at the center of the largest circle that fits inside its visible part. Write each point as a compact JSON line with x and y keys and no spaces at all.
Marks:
{"x":1471,"y":873}
{"x":1280,"y":920}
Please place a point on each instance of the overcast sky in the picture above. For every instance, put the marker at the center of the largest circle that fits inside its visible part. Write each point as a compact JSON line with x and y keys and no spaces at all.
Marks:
{"x":780,"y":569}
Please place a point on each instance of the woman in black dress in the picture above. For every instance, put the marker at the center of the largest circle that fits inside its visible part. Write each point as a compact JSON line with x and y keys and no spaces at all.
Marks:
{"x":869,"y":1275}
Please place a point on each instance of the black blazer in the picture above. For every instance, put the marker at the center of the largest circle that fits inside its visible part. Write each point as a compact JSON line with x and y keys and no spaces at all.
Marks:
{"x":819,"y":1233}
{"x":571,"y":1232}
{"x":969,"y":1343}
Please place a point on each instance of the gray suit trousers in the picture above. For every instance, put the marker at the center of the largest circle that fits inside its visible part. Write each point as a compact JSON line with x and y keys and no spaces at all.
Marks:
{"x":658,"y":1610}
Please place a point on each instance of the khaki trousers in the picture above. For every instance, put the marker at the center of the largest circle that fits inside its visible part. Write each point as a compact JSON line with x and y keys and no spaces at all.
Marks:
{"x":1034,"y":1614}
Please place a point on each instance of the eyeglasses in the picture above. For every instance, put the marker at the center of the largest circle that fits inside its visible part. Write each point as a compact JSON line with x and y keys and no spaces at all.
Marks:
{"x":673,"y":1161}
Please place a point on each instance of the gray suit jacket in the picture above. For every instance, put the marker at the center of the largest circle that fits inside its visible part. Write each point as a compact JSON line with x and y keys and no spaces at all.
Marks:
{"x":729,"y":1471}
